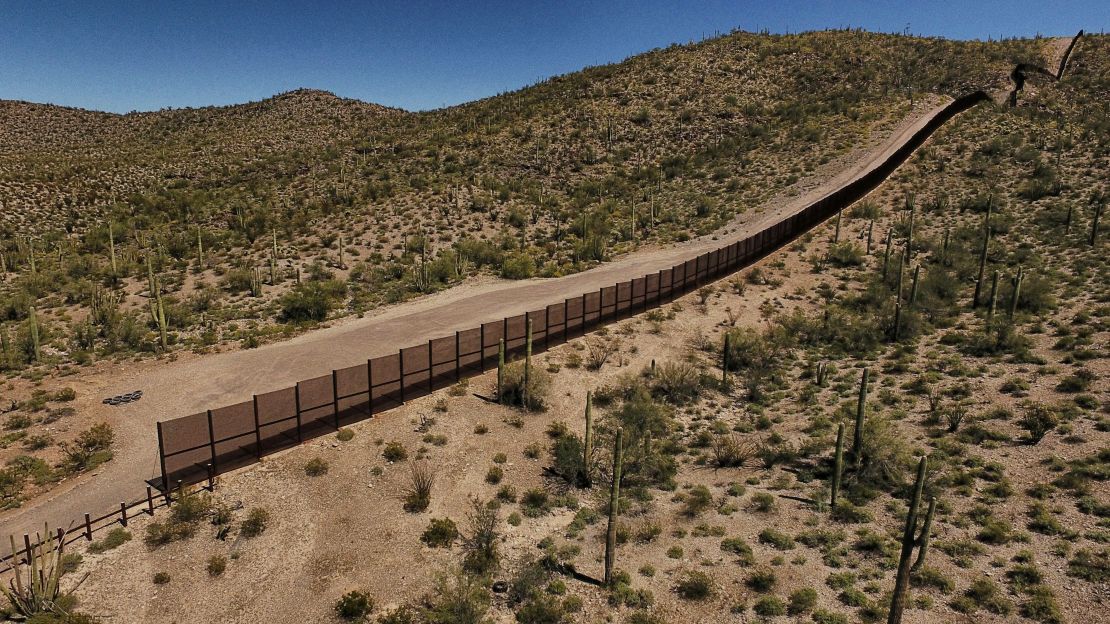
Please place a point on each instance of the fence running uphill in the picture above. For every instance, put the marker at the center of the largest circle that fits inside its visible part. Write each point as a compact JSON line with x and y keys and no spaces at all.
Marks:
{"x":197,"y":447}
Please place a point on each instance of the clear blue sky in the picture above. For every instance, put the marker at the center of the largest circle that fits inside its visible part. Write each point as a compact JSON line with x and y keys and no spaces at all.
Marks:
{"x":122,"y":56}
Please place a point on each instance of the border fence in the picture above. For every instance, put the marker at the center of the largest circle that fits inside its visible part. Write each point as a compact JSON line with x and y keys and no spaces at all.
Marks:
{"x":199,"y":446}
{"x":196,"y":448}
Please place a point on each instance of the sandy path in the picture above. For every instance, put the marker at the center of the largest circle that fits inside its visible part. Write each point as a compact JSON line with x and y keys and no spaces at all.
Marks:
{"x":193,"y":383}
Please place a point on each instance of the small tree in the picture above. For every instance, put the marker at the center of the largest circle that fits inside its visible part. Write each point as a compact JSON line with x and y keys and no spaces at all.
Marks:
{"x":1039,"y":419}
{"x":481,"y":541}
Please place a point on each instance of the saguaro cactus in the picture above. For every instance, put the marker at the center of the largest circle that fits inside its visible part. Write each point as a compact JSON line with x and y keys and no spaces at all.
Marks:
{"x":5,"y":349}
{"x":838,"y":464}
{"x":902,"y":579}
{"x":527,"y":363}
{"x":901,"y":274}
{"x":614,"y":504}
{"x":944,"y":246}
{"x":836,"y":232}
{"x":983,"y":253}
{"x":1016,"y":294}
{"x":151,"y":286}
{"x":992,"y":305}
{"x":33,"y":321}
{"x":588,"y":438}
{"x":913,"y":286}
{"x":909,"y":232}
{"x":870,"y":231}
{"x":200,"y":248}
{"x":112,"y":249}
{"x":500,"y":369}
{"x":926,"y":533}
{"x":1094,"y":222}
{"x":256,"y":282}
{"x":724,"y":362}
{"x":886,"y":254}
{"x":861,"y":408}
{"x":897,"y":320}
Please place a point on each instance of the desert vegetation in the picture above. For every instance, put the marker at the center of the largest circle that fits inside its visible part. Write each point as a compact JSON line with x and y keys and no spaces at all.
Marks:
{"x":911,"y":396}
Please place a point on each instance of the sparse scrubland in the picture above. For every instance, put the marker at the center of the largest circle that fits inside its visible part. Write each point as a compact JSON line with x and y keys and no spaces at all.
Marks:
{"x":455,"y":509}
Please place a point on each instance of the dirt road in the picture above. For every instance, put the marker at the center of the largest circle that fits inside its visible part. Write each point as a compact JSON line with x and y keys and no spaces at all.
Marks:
{"x":194,"y":383}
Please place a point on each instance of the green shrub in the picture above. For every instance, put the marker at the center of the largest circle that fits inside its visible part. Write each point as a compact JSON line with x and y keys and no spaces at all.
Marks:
{"x":983,"y":593}
{"x":316,"y":467}
{"x":115,"y":538}
{"x":418,"y":495}
{"x":694,"y":585}
{"x":310,"y":301}
{"x":779,"y":540}
{"x":185,"y":513}
{"x":1038,"y":420}
{"x":216,"y":565}
{"x":763,"y":502}
{"x":1041,"y":606}
{"x":512,"y":386}
{"x":494,"y":475}
{"x":535,"y":502}
{"x":569,"y":460}
{"x":1090,"y":565}
{"x":821,"y":616}
{"x":395,"y":452}
{"x":344,"y":435}
{"x":802,"y":600}
{"x":354,"y":605}
{"x":255,"y":522}
{"x":441,"y":533}
{"x":848,"y":513}
{"x":91,"y":448}
{"x":762,"y":580}
{"x":698,"y":499}
{"x":678,"y":382}
{"x":931,"y":577}
{"x":740,"y":548}
{"x":769,"y":606}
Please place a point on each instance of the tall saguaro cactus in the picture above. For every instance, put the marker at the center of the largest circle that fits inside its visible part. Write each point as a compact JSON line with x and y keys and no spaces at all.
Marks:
{"x":724,"y":362}
{"x":902,"y":579}
{"x":527,"y":363}
{"x":983,"y":253}
{"x":112,"y":250}
{"x":992,"y":304}
{"x":1016,"y":294}
{"x":861,"y":408}
{"x":913,"y":287}
{"x":1099,"y":206}
{"x":886,"y":254}
{"x":614,"y":504}
{"x":500,"y":369}
{"x":926,"y":533}
{"x":838,"y":465}
{"x":33,"y":321}
{"x":588,"y":438}
{"x":909,"y":232}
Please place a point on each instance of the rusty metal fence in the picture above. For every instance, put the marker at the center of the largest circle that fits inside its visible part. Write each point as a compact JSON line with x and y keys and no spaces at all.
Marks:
{"x":197,"y":447}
